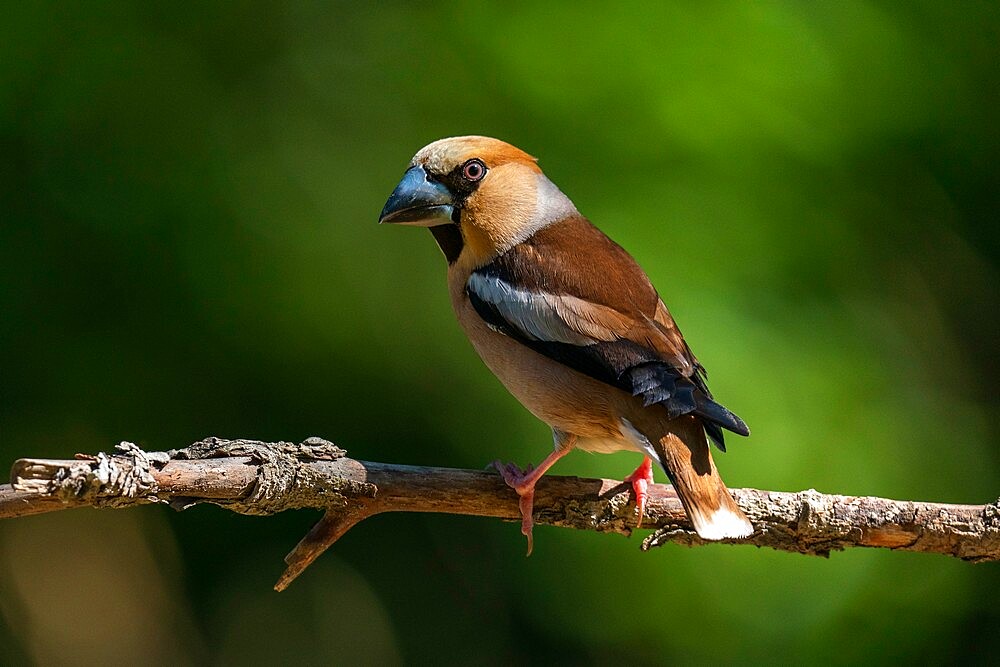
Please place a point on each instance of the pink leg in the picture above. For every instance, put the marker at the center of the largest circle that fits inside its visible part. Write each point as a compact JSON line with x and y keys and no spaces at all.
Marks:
{"x":641,"y":479}
{"x":523,"y":481}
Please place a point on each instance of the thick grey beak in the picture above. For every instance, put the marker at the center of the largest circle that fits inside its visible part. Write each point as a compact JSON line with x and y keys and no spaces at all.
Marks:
{"x":419,"y":201}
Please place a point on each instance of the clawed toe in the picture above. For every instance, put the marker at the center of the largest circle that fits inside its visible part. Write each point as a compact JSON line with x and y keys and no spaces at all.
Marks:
{"x":523,"y":482}
{"x":520,"y":481}
{"x":512,"y":475}
{"x":641,"y":479}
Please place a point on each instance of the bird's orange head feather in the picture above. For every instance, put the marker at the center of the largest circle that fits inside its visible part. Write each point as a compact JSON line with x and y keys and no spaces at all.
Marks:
{"x":492,"y":192}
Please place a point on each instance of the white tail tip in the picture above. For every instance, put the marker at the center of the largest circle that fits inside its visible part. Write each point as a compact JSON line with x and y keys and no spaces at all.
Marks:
{"x":721,"y":524}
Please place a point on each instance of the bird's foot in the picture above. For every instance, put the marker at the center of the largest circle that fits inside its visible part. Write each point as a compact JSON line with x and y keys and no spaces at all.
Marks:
{"x":523,"y":482}
{"x":641,"y":479}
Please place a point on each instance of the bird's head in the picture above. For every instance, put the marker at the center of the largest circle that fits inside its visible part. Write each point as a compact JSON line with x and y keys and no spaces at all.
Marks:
{"x":479,"y":196}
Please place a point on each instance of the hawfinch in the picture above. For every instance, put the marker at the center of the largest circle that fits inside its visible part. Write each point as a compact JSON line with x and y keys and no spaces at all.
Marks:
{"x":569,"y":323}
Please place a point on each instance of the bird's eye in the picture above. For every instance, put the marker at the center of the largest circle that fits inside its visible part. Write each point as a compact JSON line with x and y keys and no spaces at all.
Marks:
{"x":474,"y":170}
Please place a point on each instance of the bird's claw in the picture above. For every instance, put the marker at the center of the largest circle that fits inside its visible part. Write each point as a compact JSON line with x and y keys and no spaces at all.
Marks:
{"x":640,"y":480}
{"x":515,"y":479}
{"x":511,"y":474}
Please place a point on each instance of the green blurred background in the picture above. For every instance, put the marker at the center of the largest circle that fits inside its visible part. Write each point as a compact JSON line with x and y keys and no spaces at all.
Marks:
{"x":188,"y":247}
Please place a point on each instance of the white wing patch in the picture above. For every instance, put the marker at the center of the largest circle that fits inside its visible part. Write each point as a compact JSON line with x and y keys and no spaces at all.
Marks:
{"x":538,"y":315}
{"x":640,"y":442}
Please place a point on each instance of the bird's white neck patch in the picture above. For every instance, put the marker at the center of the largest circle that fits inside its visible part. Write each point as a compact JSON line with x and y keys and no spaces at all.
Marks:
{"x":551,"y":205}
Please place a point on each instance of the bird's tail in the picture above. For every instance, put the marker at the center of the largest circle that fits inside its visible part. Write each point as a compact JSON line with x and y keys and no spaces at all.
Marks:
{"x":681,"y":447}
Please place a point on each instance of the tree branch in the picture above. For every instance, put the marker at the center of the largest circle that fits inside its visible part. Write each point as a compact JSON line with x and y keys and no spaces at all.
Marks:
{"x":264,"y":478}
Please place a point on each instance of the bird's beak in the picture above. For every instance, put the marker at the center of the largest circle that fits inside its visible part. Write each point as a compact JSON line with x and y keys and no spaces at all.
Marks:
{"x":419,"y":201}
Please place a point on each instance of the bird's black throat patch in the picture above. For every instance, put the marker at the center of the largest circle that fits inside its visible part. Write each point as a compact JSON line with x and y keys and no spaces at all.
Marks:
{"x":449,"y":239}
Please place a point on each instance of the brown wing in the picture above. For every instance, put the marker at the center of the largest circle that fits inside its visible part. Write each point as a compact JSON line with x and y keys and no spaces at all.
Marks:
{"x":576,"y":296}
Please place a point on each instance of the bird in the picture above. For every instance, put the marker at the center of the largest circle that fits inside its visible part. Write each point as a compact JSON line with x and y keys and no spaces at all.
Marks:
{"x":570,"y":324}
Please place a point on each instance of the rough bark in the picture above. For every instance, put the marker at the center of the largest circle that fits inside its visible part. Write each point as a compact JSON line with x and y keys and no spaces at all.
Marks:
{"x":264,"y":478}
